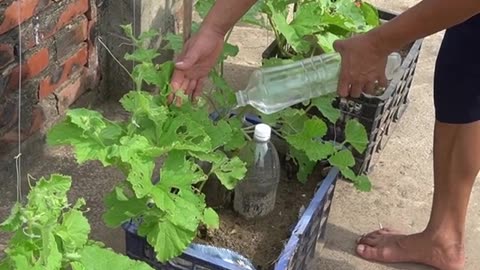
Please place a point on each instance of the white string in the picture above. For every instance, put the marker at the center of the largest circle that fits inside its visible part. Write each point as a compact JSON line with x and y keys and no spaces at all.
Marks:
{"x":134,"y":34}
{"x":18,"y":163}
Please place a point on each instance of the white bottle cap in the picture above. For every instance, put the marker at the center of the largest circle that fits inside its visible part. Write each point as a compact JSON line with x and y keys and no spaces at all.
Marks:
{"x":262,"y":132}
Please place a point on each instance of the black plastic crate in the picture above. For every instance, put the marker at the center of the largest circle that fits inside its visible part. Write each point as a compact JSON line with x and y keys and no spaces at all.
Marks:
{"x":307,"y":237}
{"x":377,"y":113}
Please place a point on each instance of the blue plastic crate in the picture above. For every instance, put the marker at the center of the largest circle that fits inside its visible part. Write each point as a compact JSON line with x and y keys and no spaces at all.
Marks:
{"x":308,"y":235}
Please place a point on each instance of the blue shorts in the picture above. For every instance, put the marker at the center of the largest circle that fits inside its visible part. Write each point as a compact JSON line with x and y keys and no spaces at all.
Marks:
{"x":457,"y":74}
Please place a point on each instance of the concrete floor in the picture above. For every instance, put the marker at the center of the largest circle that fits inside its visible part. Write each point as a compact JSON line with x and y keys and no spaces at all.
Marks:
{"x":401,"y":196}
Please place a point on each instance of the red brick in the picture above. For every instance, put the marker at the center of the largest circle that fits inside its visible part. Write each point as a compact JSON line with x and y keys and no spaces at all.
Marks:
{"x":6,"y":55}
{"x":71,"y":36}
{"x":63,"y":72}
{"x":73,"y":10}
{"x":54,"y":18}
{"x":28,"y":8}
{"x":32,"y":66}
{"x":70,"y":91}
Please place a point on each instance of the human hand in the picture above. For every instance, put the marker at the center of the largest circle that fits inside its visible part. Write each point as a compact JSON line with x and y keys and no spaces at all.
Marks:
{"x":192,"y":66}
{"x":362,"y":66}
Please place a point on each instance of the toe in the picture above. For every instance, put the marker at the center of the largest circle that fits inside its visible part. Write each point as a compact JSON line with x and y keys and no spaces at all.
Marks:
{"x":370,"y":253}
{"x":371,"y":240}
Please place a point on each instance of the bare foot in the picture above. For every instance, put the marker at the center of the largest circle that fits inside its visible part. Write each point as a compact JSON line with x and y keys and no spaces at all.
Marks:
{"x":389,"y":246}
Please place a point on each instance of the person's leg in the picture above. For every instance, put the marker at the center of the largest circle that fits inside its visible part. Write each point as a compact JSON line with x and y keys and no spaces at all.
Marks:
{"x":456,"y":164}
{"x":456,"y":160}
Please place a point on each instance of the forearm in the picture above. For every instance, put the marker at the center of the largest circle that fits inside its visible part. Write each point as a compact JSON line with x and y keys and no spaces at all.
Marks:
{"x":422,"y":20}
{"x":225,"y":14}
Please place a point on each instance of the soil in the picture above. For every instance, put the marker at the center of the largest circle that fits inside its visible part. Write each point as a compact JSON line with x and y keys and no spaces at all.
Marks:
{"x":263,"y":239}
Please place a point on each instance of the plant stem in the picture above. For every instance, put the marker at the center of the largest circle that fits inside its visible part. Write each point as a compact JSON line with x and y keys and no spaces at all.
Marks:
{"x":246,"y":135}
{"x":200,"y":188}
{"x":309,"y":107}
{"x":222,"y":64}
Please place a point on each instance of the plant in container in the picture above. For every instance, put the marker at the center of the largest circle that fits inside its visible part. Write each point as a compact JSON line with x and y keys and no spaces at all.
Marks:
{"x":167,"y":214}
{"x":315,"y":26}
{"x":289,"y":123}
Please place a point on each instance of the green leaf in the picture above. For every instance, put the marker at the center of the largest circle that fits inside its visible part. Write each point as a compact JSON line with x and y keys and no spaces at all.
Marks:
{"x":162,"y":198}
{"x":308,"y":140}
{"x":4,"y":265}
{"x":188,"y":211}
{"x":53,"y":257}
{"x":13,"y":222}
{"x":142,"y":55}
{"x":203,"y":7}
{"x":120,"y":208}
{"x":293,"y":121}
{"x":306,"y":20}
{"x":49,"y":196}
{"x":184,"y":133}
{"x":324,"y":105}
{"x":348,"y":173}
{"x":128,"y":31}
{"x":97,"y":258}
{"x":180,"y":173}
{"x":77,"y":266}
{"x":326,"y":40}
{"x":362,"y":183}
{"x":174,"y":42}
{"x":272,"y":62}
{"x":305,"y":165}
{"x":211,"y":219}
{"x":88,"y":132}
{"x":254,"y":15}
{"x":342,"y":159}
{"x":74,"y":230}
{"x":280,"y":23}
{"x":348,"y":9}
{"x":237,"y":139}
{"x":231,"y":172}
{"x":370,"y":13}
{"x":147,"y":35}
{"x":229,"y":50}
{"x":356,"y":135}
{"x":224,"y":96}
{"x":148,"y":73}
{"x":147,"y":113}
{"x":21,"y":262}
{"x":168,"y":240}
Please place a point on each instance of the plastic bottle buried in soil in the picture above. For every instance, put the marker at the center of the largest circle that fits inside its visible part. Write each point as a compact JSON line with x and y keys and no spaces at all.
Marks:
{"x":273,"y":89}
{"x":256,"y":194}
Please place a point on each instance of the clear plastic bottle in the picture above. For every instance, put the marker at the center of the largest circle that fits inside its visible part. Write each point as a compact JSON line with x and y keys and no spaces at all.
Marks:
{"x":256,"y":194}
{"x":273,"y":89}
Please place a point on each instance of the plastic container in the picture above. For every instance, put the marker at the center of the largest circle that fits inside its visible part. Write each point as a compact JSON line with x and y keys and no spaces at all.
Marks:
{"x":307,"y":237}
{"x":256,"y":194}
{"x":273,"y":89}
{"x":378,"y":114}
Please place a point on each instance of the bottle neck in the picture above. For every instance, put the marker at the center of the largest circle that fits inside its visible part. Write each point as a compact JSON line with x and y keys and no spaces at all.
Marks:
{"x":242,"y":98}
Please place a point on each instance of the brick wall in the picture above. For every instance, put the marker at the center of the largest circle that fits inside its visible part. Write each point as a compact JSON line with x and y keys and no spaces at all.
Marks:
{"x":59,"y":62}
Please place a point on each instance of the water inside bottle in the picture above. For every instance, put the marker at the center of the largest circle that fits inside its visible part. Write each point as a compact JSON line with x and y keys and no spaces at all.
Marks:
{"x":275,"y":88}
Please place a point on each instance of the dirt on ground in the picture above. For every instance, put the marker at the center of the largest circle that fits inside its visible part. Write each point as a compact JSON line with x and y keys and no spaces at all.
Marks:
{"x":263,"y":239}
